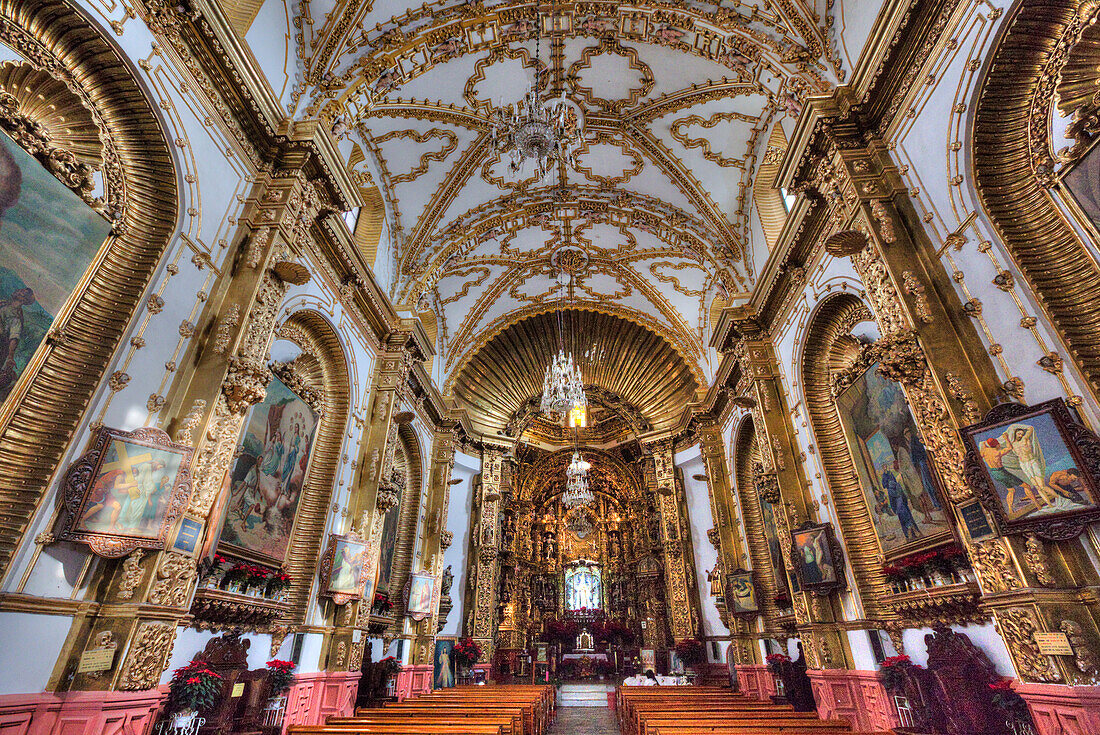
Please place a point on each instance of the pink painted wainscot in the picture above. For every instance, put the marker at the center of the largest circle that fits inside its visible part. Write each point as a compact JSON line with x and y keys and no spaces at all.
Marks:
{"x":413,"y":680}
{"x":314,"y":697}
{"x":1062,"y":710}
{"x":755,"y":681}
{"x":81,"y":713}
{"x":855,"y":696}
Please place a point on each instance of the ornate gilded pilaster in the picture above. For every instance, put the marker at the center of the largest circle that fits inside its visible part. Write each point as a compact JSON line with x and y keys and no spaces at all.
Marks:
{"x":780,"y":470}
{"x":439,"y":491}
{"x":929,"y":348}
{"x":662,"y":483}
{"x":487,"y":549}
{"x":147,"y":595}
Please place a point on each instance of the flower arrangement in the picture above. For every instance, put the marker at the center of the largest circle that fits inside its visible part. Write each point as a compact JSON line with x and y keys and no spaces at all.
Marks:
{"x":390,"y":665}
{"x":277,"y":582}
{"x":194,"y":687}
{"x":944,"y":559}
{"x":893,"y":672}
{"x":561,"y":631}
{"x":612,"y":631}
{"x":382,"y":603}
{"x":775,"y":662}
{"x":246,"y":575}
{"x":604,"y":668}
{"x":281,"y":675}
{"x":1008,"y":702}
{"x":467,"y":652}
{"x":691,"y":651}
{"x":209,"y":567}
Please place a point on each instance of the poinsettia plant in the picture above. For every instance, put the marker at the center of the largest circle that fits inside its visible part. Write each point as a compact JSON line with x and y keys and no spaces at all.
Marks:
{"x":894,"y":671}
{"x":1008,"y":702}
{"x":194,"y":687}
{"x":281,"y":675}
{"x":382,"y":602}
{"x":467,"y":652}
{"x":775,"y":662}
{"x":277,"y":582}
{"x":390,"y":665}
{"x":691,"y":651}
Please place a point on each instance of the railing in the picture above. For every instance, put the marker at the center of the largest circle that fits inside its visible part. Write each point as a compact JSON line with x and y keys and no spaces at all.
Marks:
{"x":905,"y":711}
{"x":275,"y":711}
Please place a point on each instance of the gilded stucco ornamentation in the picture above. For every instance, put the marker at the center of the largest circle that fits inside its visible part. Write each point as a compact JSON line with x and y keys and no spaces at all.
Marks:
{"x":175,"y":574}
{"x":915,"y":288}
{"x":1038,"y":561}
{"x":132,"y":574}
{"x":185,"y":433}
{"x":993,"y":566}
{"x":147,"y":656}
{"x":1018,"y":626}
{"x":1084,"y":658}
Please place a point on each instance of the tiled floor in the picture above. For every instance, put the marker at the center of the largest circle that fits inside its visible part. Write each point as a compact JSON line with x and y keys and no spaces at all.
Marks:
{"x":584,"y":721}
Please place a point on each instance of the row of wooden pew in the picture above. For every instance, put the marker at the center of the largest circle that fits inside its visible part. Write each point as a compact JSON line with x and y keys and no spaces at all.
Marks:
{"x":468,"y":710}
{"x":696,"y":710}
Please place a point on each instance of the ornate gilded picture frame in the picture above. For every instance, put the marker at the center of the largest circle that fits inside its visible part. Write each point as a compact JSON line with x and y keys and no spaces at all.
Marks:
{"x":740,"y":593}
{"x":1035,"y":469}
{"x":420,"y":593}
{"x":126,"y":492}
{"x":818,"y":558}
{"x":344,"y":569}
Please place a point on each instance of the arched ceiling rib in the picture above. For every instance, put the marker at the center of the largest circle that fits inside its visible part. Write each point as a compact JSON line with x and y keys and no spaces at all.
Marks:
{"x":619,"y":357}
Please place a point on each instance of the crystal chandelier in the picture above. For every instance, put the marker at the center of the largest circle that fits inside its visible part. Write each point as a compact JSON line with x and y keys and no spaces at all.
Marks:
{"x":545,"y":132}
{"x":533,"y":130}
{"x":563,"y":390}
{"x":576,"y":483}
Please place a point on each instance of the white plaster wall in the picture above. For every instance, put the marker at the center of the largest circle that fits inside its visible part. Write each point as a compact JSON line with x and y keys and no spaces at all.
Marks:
{"x":853,"y":21}
{"x":30,"y":645}
{"x":271,"y":43}
{"x":983,"y":636}
{"x":459,"y":513}
{"x":699,"y":517}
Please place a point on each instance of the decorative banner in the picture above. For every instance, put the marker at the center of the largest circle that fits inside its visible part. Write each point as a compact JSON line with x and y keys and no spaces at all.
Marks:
{"x":421,"y":590}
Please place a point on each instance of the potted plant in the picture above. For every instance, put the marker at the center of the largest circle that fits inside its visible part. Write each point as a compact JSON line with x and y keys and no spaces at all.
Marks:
{"x":276,"y":583}
{"x":193,"y":688}
{"x":382,"y":603}
{"x":390,"y":666}
{"x":256,"y":577}
{"x":775,"y":662}
{"x":893,"y":673}
{"x":281,"y":676}
{"x":1010,"y":705}
{"x":691,"y":651}
{"x":466,"y":653}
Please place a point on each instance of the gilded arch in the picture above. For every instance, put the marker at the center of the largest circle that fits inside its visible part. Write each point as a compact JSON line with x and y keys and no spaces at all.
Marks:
{"x":1014,"y":167}
{"x":409,"y":459}
{"x":322,"y":368}
{"x":829,"y":348}
{"x":142,"y":200}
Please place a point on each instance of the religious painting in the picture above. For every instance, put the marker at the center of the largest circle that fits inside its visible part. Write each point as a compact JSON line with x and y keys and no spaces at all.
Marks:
{"x":48,"y":238}
{"x":1033,"y":466}
{"x":741,"y":592}
{"x":344,"y":574}
{"x":775,"y":552}
{"x":583,"y":587}
{"x":389,"y":544}
{"x":443,"y":664}
{"x":648,"y":657}
{"x":817,"y":557}
{"x":267,"y":478}
{"x":421,"y":591}
{"x":675,"y":663}
{"x":895,"y":472}
{"x":127,"y":492}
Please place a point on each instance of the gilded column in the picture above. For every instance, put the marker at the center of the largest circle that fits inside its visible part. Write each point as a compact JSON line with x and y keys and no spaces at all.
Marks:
{"x":487,"y":548}
{"x":663,"y":484}
{"x":443,"y":459}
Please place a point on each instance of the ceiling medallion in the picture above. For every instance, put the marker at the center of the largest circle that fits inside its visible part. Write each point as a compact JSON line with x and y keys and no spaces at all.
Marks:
{"x":570,"y":260}
{"x":576,"y":492}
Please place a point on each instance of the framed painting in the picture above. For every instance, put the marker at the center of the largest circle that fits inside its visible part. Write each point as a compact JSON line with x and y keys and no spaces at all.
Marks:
{"x":740,"y":593}
{"x":48,"y":239}
{"x":817,"y":558}
{"x":344,"y":569}
{"x":421,"y":591}
{"x":127,"y":492}
{"x":1035,"y":469}
{"x":899,"y":482}
{"x":648,"y":658}
{"x":265,"y":484}
{"x":443,"y":663}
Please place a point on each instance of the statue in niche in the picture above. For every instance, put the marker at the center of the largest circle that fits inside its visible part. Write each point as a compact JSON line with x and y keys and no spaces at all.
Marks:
{"x":448,"y":580}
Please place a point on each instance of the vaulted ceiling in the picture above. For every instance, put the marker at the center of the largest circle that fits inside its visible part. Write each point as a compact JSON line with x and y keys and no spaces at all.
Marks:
{"x":653,"y":221}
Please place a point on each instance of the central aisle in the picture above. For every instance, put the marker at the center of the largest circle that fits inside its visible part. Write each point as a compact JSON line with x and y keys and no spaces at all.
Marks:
{"x":584,"y":721}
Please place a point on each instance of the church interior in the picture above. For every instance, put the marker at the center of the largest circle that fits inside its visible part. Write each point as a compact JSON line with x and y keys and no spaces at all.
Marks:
{"x":523,"y":368}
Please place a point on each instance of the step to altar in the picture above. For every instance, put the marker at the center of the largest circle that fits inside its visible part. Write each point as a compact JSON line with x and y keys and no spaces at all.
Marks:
{"x":584,"y":695}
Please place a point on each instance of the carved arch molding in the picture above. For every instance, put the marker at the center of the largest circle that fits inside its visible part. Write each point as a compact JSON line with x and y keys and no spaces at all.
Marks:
{"x":321,"y":376}
{"x":141,"y":201}
{"x":407,"y":522}
{"x":1014,"y":168}
{"x":828,"y":349}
